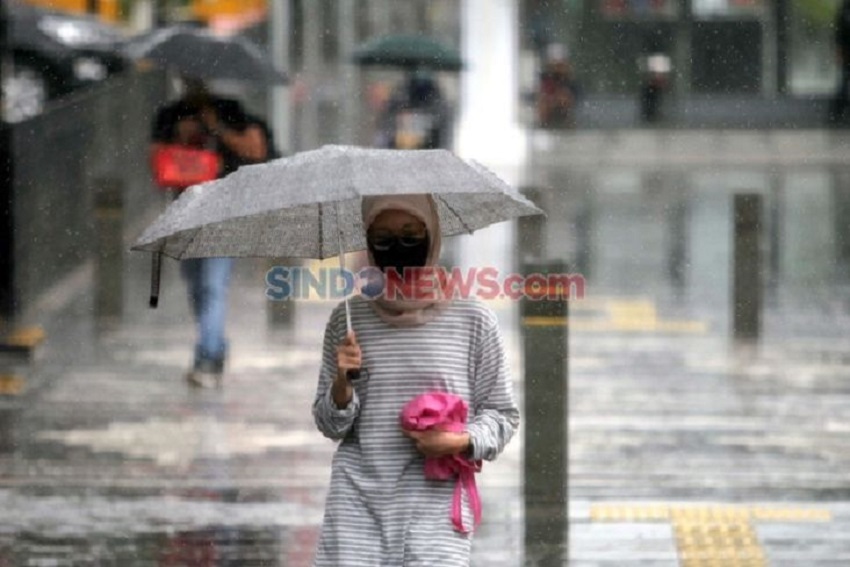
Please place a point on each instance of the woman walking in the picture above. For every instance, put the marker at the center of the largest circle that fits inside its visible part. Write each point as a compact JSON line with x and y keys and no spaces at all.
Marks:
{"x":381,"y":509}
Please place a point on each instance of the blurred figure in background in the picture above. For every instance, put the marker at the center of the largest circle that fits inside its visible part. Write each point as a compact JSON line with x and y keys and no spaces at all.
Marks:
{"x":416,"y":115}
{"x":655,"y":83}
{"x":557,"y":91}
{"x":201,"y":120}
{"x":838,"y":110}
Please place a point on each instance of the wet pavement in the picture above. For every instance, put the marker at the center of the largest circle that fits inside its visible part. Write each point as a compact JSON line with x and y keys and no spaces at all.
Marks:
{"x":685,"y":448}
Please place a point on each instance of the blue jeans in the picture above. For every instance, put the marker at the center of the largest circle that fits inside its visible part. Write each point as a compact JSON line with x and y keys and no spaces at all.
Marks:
{"x":208,"y":280}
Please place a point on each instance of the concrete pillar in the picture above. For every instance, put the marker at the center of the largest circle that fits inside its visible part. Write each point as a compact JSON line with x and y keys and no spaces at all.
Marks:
{"x":313,"y":72}
{"x":143,"y":15}
{"x":280,"y":314}
{"x":841,"y":220}
{"x":109,"y":218}
{"x":747,"y":274}
{"x":774,"y":224}
{"x":280,"y":112}
{"x":8,"y":299}
{"x":348,"y":74}
{"x":682,"y":56}
{"x":782,"y":18}
{"x":489,"y":128}
{"x":8,"y":431}
{"x":546,"y":414}
{"x":678,"y":242}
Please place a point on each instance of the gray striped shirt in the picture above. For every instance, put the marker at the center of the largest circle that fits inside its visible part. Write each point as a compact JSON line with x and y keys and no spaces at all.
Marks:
{"x":381,"y":511}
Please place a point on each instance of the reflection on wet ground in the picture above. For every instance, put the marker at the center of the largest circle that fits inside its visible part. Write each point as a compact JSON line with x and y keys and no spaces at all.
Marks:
{"x":684,"y":448}
{"x":211,"y":546}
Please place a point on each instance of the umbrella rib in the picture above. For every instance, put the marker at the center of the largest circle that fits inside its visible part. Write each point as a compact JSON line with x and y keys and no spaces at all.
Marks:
{"x":321,"y":233}
{"x":189,"y":242}
{"x":454,"y":212}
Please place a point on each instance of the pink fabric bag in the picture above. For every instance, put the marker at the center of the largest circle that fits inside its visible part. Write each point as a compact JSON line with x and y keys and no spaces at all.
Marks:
{"x":446,"y":412}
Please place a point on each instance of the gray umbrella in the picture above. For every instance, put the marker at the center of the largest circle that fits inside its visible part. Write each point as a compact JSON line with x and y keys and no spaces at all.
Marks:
{"x":309,"y":205}
{"x":199,"y":53}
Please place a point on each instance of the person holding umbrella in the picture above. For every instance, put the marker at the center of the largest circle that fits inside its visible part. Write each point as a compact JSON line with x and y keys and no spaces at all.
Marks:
{"x":379,"y":355}
{"x":201,"y":120}
{"x":416,"y":116}
{"x":381,"y":509}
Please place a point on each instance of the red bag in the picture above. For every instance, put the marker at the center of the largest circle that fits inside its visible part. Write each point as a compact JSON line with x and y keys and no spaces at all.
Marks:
{"x":178,"y":167}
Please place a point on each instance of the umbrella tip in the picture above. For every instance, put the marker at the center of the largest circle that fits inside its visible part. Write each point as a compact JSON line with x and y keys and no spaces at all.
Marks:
{"x":154,"y":302}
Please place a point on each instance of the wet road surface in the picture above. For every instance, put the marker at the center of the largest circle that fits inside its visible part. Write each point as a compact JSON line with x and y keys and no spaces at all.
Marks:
{"x":685,"y":448}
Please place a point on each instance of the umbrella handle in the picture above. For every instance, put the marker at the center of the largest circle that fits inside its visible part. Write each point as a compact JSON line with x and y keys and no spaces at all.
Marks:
{"x":156,"y":265}
{"x":342,"y":265}
{"x":353,"y":374}
{"x":156,"y":273}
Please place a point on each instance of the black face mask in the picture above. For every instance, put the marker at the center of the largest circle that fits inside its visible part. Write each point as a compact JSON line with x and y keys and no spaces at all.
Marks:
{"x":399,"y":254}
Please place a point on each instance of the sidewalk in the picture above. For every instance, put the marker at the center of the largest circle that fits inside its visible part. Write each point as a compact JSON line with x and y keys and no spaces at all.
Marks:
{"x":111,"y":454}
{"x":683,"y":450}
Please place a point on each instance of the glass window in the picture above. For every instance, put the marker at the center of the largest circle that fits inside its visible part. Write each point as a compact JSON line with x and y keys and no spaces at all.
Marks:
{"x":812,"y":63}
{"x":727,"y":8}
{"x":638,"y":9}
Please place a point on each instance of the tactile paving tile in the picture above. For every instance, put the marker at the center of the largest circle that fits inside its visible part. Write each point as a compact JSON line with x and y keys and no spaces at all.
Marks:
{"x":712,"y":536}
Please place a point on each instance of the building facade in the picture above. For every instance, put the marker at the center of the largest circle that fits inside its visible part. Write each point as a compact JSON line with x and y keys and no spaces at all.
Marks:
{"x":765,"y":48}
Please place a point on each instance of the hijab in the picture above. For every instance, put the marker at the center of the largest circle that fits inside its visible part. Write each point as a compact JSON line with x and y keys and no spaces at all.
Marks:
{"x":405,"y":312}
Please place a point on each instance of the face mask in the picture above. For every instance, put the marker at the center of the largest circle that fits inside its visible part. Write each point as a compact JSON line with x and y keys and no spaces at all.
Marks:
{"x":399,"y":252}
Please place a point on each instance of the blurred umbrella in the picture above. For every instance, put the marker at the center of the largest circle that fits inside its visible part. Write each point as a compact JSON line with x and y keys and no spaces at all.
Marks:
{"x":409,"y":52}
{"x":198,"y":53}
{"x":57,"y":34}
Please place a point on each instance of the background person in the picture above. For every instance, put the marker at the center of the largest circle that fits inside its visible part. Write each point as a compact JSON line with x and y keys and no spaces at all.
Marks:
{"x":557,"y":90}
{"x":202,"y":120}
{"x":415,"y":115}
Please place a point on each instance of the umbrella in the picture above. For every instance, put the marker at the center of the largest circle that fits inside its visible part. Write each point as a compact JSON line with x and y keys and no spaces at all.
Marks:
{"x":199,"y":53}
{"x":309,"y":205}
{"x":408,"y":51}
{"x":57,"y":34}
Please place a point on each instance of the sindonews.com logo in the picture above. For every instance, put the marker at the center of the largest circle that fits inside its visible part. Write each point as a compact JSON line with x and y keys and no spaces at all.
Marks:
{"x":418,"y":284}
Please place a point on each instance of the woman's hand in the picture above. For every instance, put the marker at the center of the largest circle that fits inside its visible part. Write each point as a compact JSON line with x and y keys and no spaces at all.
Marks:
{"x":209,"y":117}
{"x":348,"y":357}
{"x":249,"y":143}
{"x":433,"y":443}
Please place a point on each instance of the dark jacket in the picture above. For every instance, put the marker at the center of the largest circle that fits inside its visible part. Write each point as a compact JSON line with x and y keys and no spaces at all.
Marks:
{"x":229,"y":111}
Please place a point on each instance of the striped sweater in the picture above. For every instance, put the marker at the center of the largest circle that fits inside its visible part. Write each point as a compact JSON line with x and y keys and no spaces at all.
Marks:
{"x":381,"y":511}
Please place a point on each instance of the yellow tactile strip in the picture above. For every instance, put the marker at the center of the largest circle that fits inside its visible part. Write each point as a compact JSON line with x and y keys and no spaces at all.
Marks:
{"x":729,"y":543}
{"x":711,"y":535}
{"x":592,"y":325}
{"x":28,"y":337}
{"x":11,"y":385}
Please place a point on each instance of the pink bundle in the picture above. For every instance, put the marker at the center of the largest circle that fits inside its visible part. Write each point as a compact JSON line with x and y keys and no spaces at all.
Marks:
{"x":446,"y":412}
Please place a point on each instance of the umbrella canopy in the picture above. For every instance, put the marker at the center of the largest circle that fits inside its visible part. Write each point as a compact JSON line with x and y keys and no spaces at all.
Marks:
{"x":59,"y":34}
{"x":410,"y":52}
{"x":309,"y":205}
{"x":199,"y":53}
